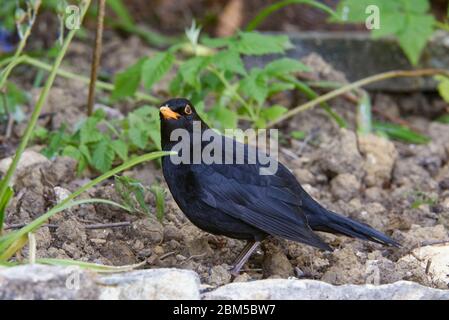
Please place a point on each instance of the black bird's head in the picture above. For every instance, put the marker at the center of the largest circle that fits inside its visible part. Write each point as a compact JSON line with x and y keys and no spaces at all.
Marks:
{"x":177,"y":113}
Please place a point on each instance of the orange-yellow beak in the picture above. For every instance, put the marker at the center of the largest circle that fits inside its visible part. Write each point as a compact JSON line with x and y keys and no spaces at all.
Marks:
{"x":168,"y":113}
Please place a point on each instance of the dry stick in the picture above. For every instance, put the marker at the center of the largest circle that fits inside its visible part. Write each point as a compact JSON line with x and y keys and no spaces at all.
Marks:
{"x":96,"y":56}
{"x":89,"y":226}
{"x":357,"y":84}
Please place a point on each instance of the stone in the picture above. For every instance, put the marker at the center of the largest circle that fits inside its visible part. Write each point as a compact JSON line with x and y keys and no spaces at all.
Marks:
{"x":379,"y":158}
{"x":345,"y":186}
{"x":342,"y":155}
{"x":435,"y":261}
{"x":41,"y":282}
{"x":219,"y":275}
{"x":151,"y":284}
{"x":281,"y":289}
{"x":28,"y":159}
{"x":148,"y":231}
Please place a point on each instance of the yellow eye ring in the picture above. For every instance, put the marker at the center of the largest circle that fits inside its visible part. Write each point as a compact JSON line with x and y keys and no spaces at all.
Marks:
{"x":188,"y":110}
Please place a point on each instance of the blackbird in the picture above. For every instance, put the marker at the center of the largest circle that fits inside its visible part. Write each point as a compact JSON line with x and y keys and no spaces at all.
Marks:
{"x":235,"y":200}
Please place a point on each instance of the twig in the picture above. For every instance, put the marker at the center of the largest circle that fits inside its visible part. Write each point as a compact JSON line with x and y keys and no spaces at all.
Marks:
{"x":70,"y":75}
{"x":96,"y":56}
{"x":168,"y":254}
{"x":357,"y":84}
{"x":89,"y":227}
{"x":108,"y":225}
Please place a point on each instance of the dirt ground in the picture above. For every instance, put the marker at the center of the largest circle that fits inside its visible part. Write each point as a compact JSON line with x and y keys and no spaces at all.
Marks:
{"x":368,"y":178}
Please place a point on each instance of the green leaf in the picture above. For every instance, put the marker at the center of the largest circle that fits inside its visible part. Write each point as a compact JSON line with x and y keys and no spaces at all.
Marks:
{"x":229,"y":60}
{"x":272,"y":113}
{"x":4,"y":203}
{"x":285,"y":66}
{"x":443,"y":87}
{"x":414,"y":36}
{"x":253,"y":43}
{"x":226,"y":118}
{"x":121,"y":149}
{"x":297,"y":134}
{"x":401,"y":133}
{"x":127,"y":82}
{"x":89,"y":131}
{"x":190,"y":70}
{"x":390,"y":24}
{"x":103,"y":156}
{"x":159,"y":194}
{"x":255,"y":86}
{"x":156,"y":67}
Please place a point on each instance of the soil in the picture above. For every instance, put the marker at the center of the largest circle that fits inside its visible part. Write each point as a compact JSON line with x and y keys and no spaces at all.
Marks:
{"x":368,"y":178}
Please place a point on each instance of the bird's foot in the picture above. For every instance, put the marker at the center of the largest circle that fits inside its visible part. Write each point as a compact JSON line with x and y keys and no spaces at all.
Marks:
{"x":234,"y":271}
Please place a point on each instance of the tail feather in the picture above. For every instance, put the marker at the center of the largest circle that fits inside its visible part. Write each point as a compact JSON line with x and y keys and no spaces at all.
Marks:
{"x":329,"y":221}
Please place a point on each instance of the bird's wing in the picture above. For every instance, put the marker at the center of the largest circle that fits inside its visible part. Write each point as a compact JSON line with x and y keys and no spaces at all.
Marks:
{"x":265,"y":202}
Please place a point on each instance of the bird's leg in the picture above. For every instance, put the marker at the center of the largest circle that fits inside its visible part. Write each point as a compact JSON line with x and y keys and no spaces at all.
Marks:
{"x":247,"y":251}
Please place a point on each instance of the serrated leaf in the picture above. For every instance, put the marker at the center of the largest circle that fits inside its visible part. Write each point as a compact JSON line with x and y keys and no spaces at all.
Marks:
{"x":390,"y":23}
{"x":285,"y":66}
{"x":414,"y":36}
{"x":272,"y":113}
{"x":227,"y":119}
{"x":228,"y":60}
{"x":255,"y":86}
{"x":89,"y":131}
{"x":127,"y":82}
{"x":155,"y":68}
{"x":190,"y":70}
{"x":254,"y":43}
{"x":121,"y":149}
{"x":103,"y":156}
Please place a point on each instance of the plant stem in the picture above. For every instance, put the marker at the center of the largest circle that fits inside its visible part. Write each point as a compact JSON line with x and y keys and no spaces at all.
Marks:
{"x":37,"y":110}
{"x":5,"y":73}
{"x":96,"y":56}
{"x":236,"y":95}
{"x":357,"y":84}
{"x":70,"y":75}
{"x":9,"y":240}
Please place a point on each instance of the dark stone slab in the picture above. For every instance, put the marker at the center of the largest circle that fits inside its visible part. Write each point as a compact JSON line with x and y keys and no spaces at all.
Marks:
{"x":359,"y":56}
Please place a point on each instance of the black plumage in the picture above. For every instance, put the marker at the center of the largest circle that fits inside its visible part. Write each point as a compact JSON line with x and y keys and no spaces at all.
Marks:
{"x":234,"y":200}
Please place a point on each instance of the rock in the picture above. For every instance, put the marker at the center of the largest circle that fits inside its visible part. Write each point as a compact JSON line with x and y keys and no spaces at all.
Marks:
{"x":40,"y":282}
{"x":417,"y":235}
{"x":434,"y":261}
{"x":379,"y":157}
{"x":29,"y":159}
{"x":57,"y":282}
{"x":275,"y":262}
{"x":342,"y":155}
{"x":152,"y":284}
{"x":71,"y":230}
{"x":118,"y":253}
{"x":345,"y":186}
{"x":408,"y":173}
{"x":171,"y":232}
{"x":304,"y":176}
{"x":346,"y":269}
{"x":219,"y":275}
{"x":280,"y":289}
{"x":147,"y":230}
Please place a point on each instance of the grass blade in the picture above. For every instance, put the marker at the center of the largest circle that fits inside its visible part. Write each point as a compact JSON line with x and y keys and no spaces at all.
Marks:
{"x":265,"y":12}
{"x":401,"y":133}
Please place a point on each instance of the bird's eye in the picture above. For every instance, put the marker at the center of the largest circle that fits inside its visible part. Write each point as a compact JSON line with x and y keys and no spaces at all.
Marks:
{"x":188,"y":110}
